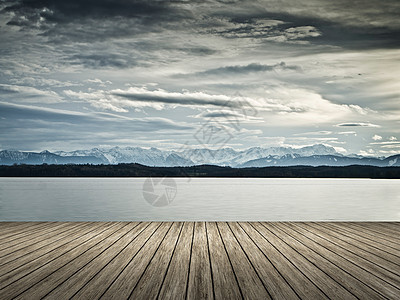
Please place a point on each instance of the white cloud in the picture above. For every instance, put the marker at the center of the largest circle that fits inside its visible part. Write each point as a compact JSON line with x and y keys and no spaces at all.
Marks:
{"x":367,"y":153}
{"x":99,"y":82}
{"x":322,"y":132}
{"x":376,"y":137}
{"x":301,"y":32}
{"x":385,"y":143}
{"x":347,"y":133}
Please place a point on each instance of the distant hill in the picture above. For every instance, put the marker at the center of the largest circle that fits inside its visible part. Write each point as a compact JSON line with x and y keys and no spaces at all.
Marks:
{"x":316,"y":155}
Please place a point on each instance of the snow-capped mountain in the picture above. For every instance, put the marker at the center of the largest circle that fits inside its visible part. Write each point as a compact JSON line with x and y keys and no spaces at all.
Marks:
{"x":321,"y":160}
{"x":188,"y":157}
{"x":315,"y":155}
{"x":117,"y":155}
{"x":10,"y":157}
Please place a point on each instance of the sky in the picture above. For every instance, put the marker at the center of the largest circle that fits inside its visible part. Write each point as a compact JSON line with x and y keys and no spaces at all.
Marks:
{"x":80,"y":74}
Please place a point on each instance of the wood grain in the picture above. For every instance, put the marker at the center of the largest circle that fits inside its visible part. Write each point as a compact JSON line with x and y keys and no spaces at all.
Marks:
{"x":199,"y":260}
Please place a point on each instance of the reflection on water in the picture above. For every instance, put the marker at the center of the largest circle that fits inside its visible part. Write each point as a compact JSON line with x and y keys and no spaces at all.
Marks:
{"x":210,"y":199}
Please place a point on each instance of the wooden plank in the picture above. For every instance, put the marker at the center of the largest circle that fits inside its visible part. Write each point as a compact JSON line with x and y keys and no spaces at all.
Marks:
{"x":29,"y":247}
{"x":353,"y":285}
{"x":175,"y":281}
{"x":378,"y":271}
{"x":272,"y":279}
{"x":18,"y":287}
{"x":19,"y":229}
{"x":98,"y":285}
{"x":32,"y":237}
{"x":150,"y":283}
{"x":312,"y":241}
{"x":8,"y":223}
{"x":22,"y":269}
{"x":384,"y":226}
{"x":224,"y":280}
{"x":128,"y":278}
{"x":232,"y":260}
{"x":394,"y":225}
{"x":200,"y":276}
{"x":380,"y":258}
{"x":77,"y":273}
{"x":385,"y":229}
{"x":47,"y":284}
{"x":328,"y":286}
{"x":354,"y":236}
{"x":30,"y":233}
{"x":7,"y":226}
{"x":34,"y":255}
{"x":362,"y":236}
{"x":250,"y":283}
{"x":303,"y":287}
{"x":372,"y":230}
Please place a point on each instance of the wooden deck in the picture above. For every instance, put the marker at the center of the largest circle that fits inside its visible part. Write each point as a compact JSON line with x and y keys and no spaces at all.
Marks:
{"x":147,"y":260}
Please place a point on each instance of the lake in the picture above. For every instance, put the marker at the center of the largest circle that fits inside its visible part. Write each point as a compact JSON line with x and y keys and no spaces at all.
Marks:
{"x":209,"y":199}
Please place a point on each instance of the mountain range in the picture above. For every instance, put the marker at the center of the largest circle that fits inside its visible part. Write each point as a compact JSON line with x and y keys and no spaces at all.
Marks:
{"x":316,"y":155}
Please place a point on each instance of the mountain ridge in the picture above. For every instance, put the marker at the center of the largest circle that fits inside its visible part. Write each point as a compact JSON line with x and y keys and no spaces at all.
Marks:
{"x":315,"y":155}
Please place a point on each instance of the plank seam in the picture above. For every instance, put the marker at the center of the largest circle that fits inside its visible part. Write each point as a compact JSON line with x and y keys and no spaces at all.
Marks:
{"x":376,"y":290}
{"x":39,"y":236}
{"x":209,"y":261}
{"x":230,"y":262}
{"x":190,"y":261}
{"x":289,"y":259}
{"x":55,"y":249}
{"x":169,"y":262}
{"x":68,"y":262}
{"x":144,"y":271}
{"x":285,"y":232}
{"x":362,"y":258}
{"x":359,"y":247}
{"x":277,"y":270}
{"x":130,"y":261}
{"x":248,"y":258}
{"x":104,"y":265}
{"x":69,"y":229}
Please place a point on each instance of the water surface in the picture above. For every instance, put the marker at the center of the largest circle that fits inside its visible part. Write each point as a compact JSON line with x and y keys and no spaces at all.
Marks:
{"x":210,"y":199}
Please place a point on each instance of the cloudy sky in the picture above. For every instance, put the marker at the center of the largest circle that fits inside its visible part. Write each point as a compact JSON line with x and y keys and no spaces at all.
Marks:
{"x":80,"y":74}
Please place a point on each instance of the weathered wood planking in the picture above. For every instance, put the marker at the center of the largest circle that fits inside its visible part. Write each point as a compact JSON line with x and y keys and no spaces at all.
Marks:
{"x":199,"y":260}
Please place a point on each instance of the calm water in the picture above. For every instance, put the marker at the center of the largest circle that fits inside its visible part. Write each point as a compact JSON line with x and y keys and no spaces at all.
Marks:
{"x":103,"y":199}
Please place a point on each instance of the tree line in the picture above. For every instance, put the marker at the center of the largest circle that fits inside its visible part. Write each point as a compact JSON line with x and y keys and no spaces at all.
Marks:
{"x":137,"y":170}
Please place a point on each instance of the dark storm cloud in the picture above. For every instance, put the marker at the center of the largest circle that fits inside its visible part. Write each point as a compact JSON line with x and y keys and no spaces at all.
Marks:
{"x":315,"y":30}
{"x":54,"y":11}
{"x":163,"y":97}
{"x":173,"y":100}
{"x":219,"y":115}
{"x":199,"y":51}
{"x":357,"y":125}
{"x":240,"y":70}
{"x":91,"y":20}
{"x":180,"y":101}
{"x":348,"y":24}
{"x":102,"y":60}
